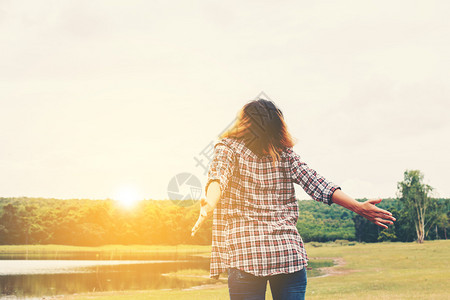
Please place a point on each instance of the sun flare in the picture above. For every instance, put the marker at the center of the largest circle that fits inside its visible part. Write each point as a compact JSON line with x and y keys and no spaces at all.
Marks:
{"x":127,"y":196}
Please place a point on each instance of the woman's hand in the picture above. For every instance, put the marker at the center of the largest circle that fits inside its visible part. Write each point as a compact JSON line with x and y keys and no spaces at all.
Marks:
{"x":365,"y":209}
{"x":205,"y":211}
{"x":375,"y":214}
{"x":207,"y":206}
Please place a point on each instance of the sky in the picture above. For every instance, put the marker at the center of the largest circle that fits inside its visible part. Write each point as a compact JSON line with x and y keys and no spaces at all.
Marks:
{"x":101,"y":96}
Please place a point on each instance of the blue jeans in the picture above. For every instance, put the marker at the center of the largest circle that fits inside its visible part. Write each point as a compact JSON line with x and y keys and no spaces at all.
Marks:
{"x":245,"y":286}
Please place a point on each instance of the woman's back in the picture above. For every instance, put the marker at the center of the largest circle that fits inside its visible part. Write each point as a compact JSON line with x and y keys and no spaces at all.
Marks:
{"x":254,"y":226}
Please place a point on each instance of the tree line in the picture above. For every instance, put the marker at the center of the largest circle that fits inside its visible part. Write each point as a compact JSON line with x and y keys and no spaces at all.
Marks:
{"x":418,"y":215}
{"x":85,"y":222}
{"x":99,"y":222}
{"x":322,"y":224}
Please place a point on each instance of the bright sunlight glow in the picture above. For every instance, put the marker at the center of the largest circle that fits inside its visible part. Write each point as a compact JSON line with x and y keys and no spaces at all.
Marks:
{"x":127,"y":196}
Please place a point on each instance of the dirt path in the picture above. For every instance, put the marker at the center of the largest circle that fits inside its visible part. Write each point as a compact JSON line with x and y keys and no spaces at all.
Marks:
{"x":333,"y":270}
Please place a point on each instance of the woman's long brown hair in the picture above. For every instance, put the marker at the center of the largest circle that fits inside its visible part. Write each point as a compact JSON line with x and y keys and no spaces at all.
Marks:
{"x":260,"y":124}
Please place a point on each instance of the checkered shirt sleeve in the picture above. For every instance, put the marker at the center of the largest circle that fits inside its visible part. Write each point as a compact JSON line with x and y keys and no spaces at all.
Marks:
{"x":312,"y":183}
{"x":221,"y":167}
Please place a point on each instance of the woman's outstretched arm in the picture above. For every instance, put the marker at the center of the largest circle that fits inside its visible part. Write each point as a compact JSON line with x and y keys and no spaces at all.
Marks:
{"x":365,"y":209}
{"x":207,"y":206}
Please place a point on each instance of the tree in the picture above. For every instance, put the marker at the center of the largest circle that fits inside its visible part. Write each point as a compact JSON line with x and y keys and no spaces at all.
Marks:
{"x":415,"y":196}
{"x":365,"y":231}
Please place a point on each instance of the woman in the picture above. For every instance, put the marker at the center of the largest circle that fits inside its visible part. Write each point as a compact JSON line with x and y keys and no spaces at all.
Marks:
{"x":251,"y":194}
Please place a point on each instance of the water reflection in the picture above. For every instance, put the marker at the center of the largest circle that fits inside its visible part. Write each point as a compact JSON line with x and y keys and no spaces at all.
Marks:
{"x":93,"y":255}
{"x":28,"y":267}
{"x":77,"y":276}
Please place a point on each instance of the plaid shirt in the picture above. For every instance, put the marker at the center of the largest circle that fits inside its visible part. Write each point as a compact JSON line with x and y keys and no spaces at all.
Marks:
{"x":254,"y":223}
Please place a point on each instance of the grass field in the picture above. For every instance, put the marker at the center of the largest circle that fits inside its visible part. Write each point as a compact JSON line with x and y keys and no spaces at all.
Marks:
{"x":371,"y":271}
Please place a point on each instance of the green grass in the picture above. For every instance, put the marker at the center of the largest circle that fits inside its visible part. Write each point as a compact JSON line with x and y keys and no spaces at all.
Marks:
{"x":320,"y":263}
{"x":386,"y":271}
{"x":190,"y":272}
{"x":372,"y":271}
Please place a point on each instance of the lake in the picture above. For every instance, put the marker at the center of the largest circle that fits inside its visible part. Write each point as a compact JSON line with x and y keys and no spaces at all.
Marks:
{"x":79,"y":272}
{"x":49,"y":274}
